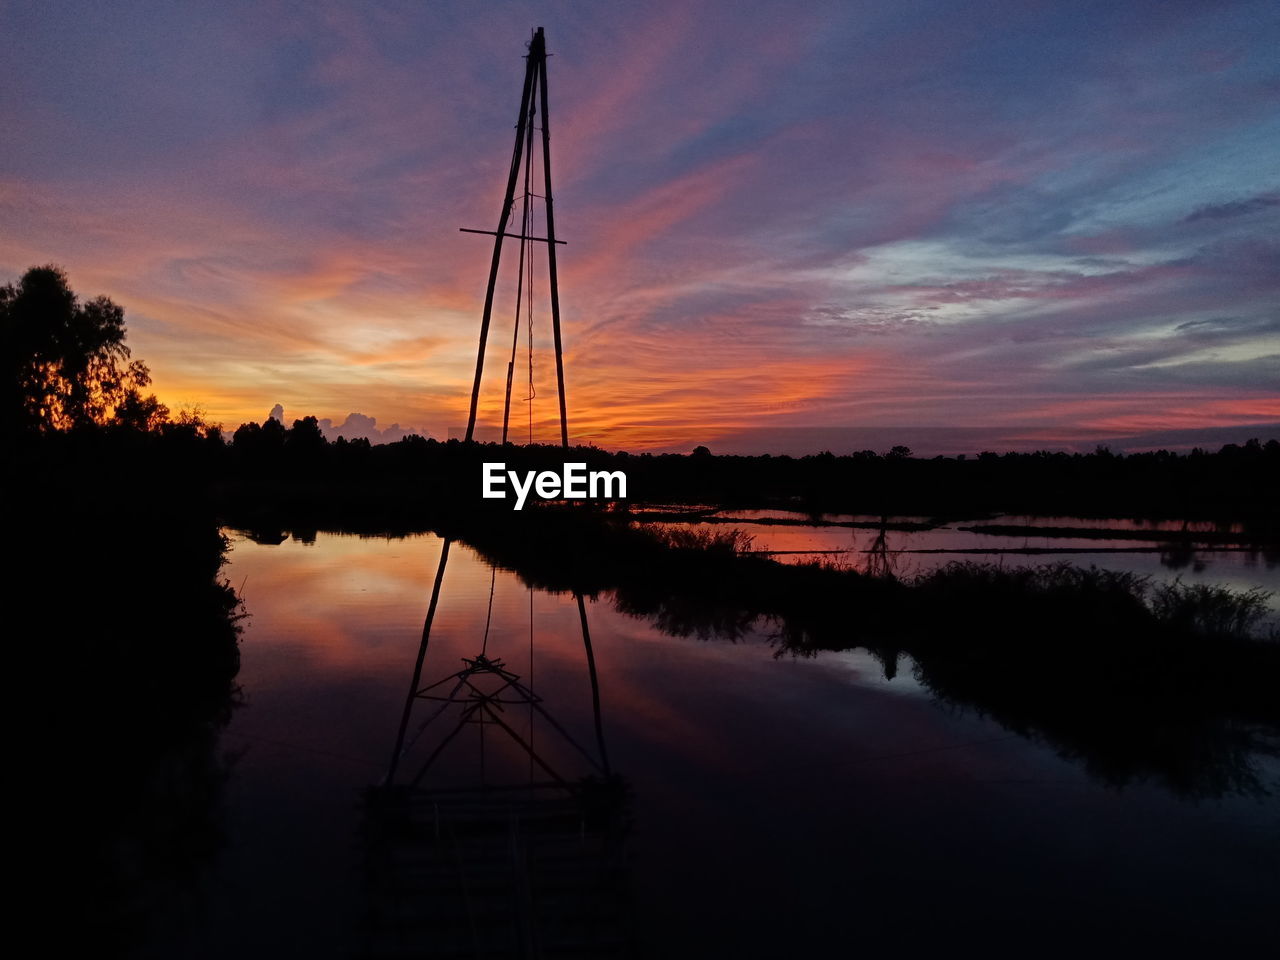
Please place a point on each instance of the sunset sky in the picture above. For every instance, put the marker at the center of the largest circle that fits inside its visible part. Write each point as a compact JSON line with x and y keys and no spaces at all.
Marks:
{"x":790,"y":226}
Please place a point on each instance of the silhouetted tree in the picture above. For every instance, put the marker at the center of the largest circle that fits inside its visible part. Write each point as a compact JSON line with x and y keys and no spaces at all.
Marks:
{"x":141,"y":413}
{"x":191,"y":422}
{"x":305,"y":436}
{"x":265,"y":440}
{"x":273,"y":434}
{"x":246,"y":436}
{"x":65,"y":361}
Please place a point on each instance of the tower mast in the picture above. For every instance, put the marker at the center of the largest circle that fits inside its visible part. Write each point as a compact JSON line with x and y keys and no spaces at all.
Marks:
{"x":534,"y":95}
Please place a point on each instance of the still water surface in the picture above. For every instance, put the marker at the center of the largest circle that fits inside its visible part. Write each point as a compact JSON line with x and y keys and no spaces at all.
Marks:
{"x":780,"y":806}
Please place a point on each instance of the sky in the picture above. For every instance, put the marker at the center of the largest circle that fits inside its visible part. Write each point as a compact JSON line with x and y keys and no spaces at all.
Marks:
{"x":790,"y":226}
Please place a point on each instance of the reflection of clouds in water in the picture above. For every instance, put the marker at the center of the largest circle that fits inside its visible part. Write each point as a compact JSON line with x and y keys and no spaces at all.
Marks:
{"x":866,"y":671}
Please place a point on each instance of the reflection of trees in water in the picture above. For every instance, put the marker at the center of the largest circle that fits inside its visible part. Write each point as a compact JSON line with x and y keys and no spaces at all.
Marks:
{"x":1092,"y":679}
{"x":136,"y":658}
{"x":687,"y":616}
{"x":1188,"y":552}
{"x":1124,"y":722}
{"x":1267,"y":555}
{"x":147,"y":844}
{"x":880,"y":562}
{"x":1181,"y":554}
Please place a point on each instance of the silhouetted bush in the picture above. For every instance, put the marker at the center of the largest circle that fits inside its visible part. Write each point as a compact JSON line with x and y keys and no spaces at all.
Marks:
{"x":1209,"y":610}
{"x":132,"y":641}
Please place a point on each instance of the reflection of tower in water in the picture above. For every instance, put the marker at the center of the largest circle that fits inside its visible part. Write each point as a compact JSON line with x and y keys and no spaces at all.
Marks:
{"x":527,"y":865}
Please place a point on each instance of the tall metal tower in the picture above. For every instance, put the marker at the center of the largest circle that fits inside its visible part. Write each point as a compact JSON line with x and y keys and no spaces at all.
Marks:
{"x":521,"y":868}
{"x":532,"y":99}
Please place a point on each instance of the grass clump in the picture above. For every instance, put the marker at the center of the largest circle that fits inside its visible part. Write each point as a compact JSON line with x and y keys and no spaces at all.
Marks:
{"x":716,"y":542}
{"x":1208,"y":610}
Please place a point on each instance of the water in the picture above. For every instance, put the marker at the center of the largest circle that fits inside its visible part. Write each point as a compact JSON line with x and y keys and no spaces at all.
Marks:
{"x":909,"y":552}
{"x":780,"y":806}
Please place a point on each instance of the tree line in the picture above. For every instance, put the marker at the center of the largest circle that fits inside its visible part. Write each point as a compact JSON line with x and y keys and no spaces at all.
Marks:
{"x":72,"y":380}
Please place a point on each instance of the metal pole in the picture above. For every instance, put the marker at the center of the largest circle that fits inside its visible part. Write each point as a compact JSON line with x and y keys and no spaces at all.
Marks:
{"x":502,"y":226}
{"x":525,"y":227}
{"x":417,"y":668}
{"x":538,"y":52}
{"x":595,"y":684}
{"x":506,"y":404}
